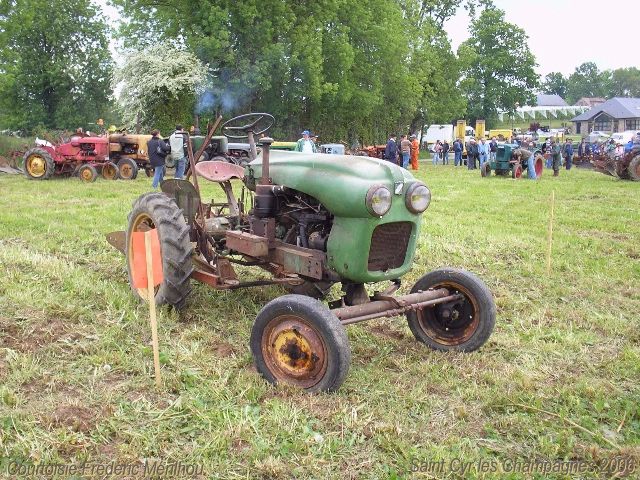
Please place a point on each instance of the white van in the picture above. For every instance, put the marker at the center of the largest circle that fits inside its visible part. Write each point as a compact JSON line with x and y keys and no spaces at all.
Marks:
{"x":622,"y":138}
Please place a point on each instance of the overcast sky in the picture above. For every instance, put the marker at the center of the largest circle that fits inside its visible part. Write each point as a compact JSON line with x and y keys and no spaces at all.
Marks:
{"x":566,"y":33}
{"x":562,"y":33}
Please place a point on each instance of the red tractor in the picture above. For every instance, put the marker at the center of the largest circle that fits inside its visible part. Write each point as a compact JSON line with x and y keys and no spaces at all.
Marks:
{"x":84,"y":156}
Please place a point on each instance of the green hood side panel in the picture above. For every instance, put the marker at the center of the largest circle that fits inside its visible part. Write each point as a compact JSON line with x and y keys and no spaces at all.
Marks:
{"x":339,"y":182}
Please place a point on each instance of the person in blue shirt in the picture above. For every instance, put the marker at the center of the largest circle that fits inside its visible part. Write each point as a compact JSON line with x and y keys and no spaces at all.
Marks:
{"x":568,"y":154}
{"x":629,"y":146}
{"x":391,"y":150}
{"x":457,"y":152}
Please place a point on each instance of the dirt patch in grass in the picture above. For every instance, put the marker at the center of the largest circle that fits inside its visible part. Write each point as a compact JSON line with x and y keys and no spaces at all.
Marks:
{"x":386,"y":331}
{"x":33,"y":336}
{"x":75,"y":417}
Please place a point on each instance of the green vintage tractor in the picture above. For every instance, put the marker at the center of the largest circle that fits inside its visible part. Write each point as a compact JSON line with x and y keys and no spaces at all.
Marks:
{"x":310,"y":221}
{"x":505,"y":164}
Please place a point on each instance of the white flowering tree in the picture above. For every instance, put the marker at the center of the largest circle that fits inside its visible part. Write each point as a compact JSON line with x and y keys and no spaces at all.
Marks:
{"x":158,"y":86}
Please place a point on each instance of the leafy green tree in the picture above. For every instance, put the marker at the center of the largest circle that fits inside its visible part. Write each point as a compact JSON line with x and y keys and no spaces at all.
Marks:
{"x":588,"y":81}
{"x":498,"y":67}
{"x":625,"y":82}
{"x":55,"y":65}
{"x":555,"y":83}
{"x":342,"y":68}
{"x":158,"y":86}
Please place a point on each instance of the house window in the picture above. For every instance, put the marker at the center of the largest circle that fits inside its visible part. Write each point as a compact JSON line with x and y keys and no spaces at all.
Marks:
{"x":633,"y":124}
{"x":602,"y":123}
{"x":578,"y":127}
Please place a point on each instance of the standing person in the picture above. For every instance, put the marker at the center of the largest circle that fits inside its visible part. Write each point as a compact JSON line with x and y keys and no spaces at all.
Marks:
{"x":568,"y":154}
{"x":157,"y":150}
{"x":305,"y":144}
{"x":445,"y":152}
{"x":391,"y":150}
{"x":483,"y":151}
{"x":472,"y":154}
{"x":415,"y":152}
{"x":493,"y":149}
{"x":405,"y":150}
{"x":457,"y":152}
{"x":177,"y":142}
{"x":556,"y":157}
{"x":437,"y":151}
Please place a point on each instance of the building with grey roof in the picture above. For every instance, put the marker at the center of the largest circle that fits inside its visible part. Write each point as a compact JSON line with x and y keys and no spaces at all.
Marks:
{"x":615,"y":115}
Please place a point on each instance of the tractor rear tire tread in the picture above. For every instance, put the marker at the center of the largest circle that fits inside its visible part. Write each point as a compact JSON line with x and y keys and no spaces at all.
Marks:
{"x":634,"y":168}
{"x":175,"y":246}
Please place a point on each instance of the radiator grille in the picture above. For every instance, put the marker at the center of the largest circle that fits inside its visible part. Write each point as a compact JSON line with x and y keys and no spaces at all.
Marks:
{"x":389,"y":244}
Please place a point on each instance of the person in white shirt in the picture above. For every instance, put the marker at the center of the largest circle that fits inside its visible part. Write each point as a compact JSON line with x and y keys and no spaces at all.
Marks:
{"x":305,"y":144}
{"x":177,"y":142}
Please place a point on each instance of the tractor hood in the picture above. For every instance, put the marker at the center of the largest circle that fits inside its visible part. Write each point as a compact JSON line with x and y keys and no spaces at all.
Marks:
{"x":339,"y":182}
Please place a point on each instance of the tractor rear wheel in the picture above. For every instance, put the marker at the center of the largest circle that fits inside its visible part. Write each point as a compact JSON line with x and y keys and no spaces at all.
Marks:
{"x":538,"y":164}
{"x":298,"y":341}
{"x":87,"y":173}
{"x":127,"y":168}
{"x":38,"y":164}
{"x":110,"y":171}
{"x":462,"y":325}
{"x":634,"y":168}
{"x":156,"y":210}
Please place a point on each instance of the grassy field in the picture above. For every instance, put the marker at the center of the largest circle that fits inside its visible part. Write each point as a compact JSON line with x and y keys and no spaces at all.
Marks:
{"x":557,"y":381}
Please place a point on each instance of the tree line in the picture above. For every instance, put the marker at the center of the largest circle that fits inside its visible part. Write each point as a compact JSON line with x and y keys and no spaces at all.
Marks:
{"x":588,"y":81}
{"x":347,"y":69}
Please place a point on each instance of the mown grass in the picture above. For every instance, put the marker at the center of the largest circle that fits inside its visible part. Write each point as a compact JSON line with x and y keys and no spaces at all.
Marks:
{"x":558,"y":380}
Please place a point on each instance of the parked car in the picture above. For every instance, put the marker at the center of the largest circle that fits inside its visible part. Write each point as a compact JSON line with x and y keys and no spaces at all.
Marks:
{"x":597,"y":136}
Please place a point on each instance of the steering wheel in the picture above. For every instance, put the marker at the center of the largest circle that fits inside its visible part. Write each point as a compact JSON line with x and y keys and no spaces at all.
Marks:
{"x":253,"y":126}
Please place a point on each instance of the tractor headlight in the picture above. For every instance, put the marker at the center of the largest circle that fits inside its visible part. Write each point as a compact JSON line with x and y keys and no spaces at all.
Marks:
{"x":378,"y":200}
{"x":418,"y":198}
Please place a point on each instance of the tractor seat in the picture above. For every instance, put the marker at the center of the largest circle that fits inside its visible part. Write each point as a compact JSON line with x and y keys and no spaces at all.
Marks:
{"x":219,"y":171}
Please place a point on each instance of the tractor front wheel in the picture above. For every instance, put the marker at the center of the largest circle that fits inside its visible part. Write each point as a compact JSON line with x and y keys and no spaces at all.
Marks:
{"x":516,"y":171}
{"x":38,"y":164}
{"x":110,"y":171}
{"x":485,"y":169}
{"x":296,"y":340}
{"x":127,"y":168}
{"x":87,"y":173}
{"x":464,"y":324}
{"x":157,"y":211}
{"x":634,"y":168}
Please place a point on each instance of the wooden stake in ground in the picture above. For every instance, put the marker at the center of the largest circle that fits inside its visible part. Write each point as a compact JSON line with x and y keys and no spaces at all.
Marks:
{"x":152,"y":307}
{"x":550,"y":231}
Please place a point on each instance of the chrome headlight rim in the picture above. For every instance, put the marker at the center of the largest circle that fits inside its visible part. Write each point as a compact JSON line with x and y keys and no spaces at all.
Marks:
{"x":407,"y":198}
{"x":369,"y":200}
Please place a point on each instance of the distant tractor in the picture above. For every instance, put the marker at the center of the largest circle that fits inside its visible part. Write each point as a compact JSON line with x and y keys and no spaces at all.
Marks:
{"x":504,"y":164}
{"x":626,"y":167}
{"x":82,"y":156}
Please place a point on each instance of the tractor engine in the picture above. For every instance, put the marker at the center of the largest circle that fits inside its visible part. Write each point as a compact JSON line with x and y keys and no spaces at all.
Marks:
{"x":302,"y":220}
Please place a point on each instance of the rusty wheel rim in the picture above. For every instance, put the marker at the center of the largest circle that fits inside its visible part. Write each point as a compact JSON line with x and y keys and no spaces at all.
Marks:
{"x":452,"y":323}
{"x":638,"y":170}
{"x":539,"y":165}
{"x":294,"y":351}
{"x":142,"y":223}
{"x":86,"y":175}
{"x":36,"y":166}
{"x":518,"y":172}
{"x":126,"y":171}
{"x":109,"y":172}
